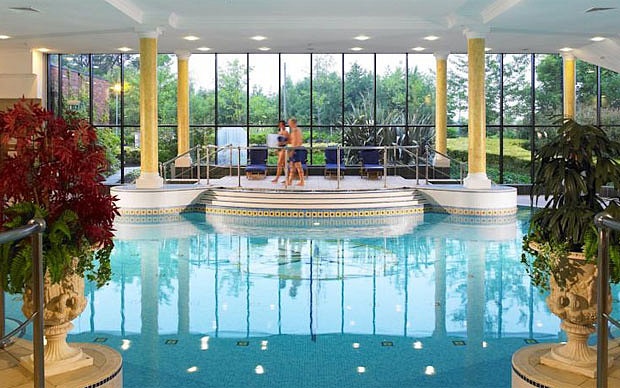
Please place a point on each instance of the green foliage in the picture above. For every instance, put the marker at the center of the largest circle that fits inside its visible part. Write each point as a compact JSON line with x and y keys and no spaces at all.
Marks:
{"x":55,"y":174}
{"x":571,"y":169}
{"x":111,"y":143}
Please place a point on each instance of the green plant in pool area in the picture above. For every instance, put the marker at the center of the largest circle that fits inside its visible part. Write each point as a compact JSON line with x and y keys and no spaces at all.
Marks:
{"x":572,"y":167}
{"x":56,"y":174}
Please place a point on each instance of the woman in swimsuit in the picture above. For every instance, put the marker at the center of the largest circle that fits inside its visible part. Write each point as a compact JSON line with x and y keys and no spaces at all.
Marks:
{"x":282,"y":142}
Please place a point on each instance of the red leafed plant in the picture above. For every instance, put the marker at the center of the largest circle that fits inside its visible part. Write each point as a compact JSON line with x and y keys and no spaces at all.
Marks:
{"x":54,"y":172}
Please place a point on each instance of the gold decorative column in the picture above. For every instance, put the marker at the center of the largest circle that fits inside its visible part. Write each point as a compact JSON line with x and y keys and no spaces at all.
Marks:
{"x":183,"y":109}
{"x":441,"y":110}
{"x":476,"y":133}
{"x":149,"y":175}
{"x":569,"y":85}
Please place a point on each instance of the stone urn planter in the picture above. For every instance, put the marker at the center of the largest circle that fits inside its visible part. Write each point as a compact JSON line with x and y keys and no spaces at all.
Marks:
{"x":575,"y":305}
{"x":63,"y":302}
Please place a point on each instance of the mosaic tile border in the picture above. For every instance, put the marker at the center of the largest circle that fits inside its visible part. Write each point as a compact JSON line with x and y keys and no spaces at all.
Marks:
{"x":313,"y":213}
{"x":464,"y":215}
{"x":479,"y":212}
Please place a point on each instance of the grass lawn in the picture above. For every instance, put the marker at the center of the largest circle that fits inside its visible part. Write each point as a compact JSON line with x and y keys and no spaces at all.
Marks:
{"x":516,"y":158}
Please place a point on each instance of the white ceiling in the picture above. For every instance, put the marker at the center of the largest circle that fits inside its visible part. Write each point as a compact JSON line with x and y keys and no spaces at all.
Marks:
{"x":320,"y":26}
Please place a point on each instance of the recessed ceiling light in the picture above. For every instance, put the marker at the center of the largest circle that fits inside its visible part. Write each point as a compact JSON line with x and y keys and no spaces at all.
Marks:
{"x":4,"y":37}
{"x":264,"y":48}
{"x":203,"y":48}
{"x":356,"y":49}
{"x":124,"y":49}
{"x":44,"y":50}
{"x":597,"y":38}
{"x":191,"y":37}
{"x":362,"y":37}
{"x":258,"y":38}
{"x":431,"y":37}
{"x":487,"y":49}
{"x":418,"y":48}
{"x":566,"y":49}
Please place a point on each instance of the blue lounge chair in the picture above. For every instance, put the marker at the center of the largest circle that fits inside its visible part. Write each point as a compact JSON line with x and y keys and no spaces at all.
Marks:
{"x":371,"y":165}
{"x":257,"y":168}
{"x":331,"y":162}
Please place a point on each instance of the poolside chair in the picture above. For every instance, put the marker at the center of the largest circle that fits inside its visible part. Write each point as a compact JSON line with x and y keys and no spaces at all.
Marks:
{"x":371,"y":166}
{"x":257,"y":167}
{"x":331,"y":162}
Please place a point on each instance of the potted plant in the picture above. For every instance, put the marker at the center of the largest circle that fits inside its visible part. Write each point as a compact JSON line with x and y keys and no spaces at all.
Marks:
{"x":55,"y":173}
{"x":561,"y":244}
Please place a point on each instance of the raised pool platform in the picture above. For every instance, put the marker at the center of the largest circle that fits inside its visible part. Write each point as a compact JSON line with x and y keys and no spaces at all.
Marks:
{"x":318,"y":198}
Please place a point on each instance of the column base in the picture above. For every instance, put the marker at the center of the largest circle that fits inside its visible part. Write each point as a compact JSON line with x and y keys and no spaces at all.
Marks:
{"x":441,"y":161}
{"x":477,"y":180}
{"x":149,"y":180}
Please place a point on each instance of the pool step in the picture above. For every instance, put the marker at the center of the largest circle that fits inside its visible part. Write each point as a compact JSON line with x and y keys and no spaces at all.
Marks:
{"x":282,"y":199}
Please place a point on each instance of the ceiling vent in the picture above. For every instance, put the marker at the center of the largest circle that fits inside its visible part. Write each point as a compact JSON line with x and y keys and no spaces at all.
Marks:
{"x":599,"y":9}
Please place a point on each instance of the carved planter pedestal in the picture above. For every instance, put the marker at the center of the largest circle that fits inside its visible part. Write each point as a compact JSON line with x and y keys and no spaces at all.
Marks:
{"x":63,"y":303}
{"x":575,"y":305}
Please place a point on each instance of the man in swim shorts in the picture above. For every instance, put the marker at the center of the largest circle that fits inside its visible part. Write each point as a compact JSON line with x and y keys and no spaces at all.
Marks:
{"x":295,"y":140}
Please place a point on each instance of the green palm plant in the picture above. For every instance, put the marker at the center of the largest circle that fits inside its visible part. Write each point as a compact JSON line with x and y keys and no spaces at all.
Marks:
{"x":572,"y":167}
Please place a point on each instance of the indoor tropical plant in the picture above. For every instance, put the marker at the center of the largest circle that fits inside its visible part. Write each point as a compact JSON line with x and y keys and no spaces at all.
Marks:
{"x":561,"y":244}
{"x":55,"y":173}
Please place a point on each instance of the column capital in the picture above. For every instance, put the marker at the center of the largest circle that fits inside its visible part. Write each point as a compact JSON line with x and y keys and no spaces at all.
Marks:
{"x":182,"y":54}
{"x":441,"y":54}
{"x":479,"y":32}
{"x":568,"y":56}
{"x":152,"y":33}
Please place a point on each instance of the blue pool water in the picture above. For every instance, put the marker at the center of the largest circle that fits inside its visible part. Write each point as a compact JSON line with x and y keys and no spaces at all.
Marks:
{"x":216,"y":301}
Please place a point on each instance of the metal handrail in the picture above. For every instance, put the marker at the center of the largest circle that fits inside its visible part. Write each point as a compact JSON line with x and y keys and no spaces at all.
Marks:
{"x":164,"y":165}
{"x":604,"y":223}
{"x":210,"y":150}
{"x":461,"y":164}
{"x":34,"y":229}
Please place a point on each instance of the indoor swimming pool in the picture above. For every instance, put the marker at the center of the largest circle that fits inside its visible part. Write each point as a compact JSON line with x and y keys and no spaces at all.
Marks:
{"x":426,"y":300}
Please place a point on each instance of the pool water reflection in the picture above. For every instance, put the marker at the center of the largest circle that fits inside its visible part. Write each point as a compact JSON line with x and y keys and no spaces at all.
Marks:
{"x":428,"y":300}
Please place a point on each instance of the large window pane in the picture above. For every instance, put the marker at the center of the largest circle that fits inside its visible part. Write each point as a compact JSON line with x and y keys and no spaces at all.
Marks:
{"x":202,"y":89}
{"x":391,"y":89}
{"x":359,"y":89}
{"x":167,"y":139}
{"x":327,"y":89}
{"x":52,"y":83}
{"x":548,"y":88}
{"x":420,"y":129}
{"x":132,"y":146}
{"x":76,"y":84}
{"x":326,"y":103}
{"x":131,"y":67}
{"x":421,"y":73}
{"x":457,"y":89}
{"x":517,"y":90}
{"x":610,"y":97}
{"x":232,"y":89}
{"x":586,"y":93}
{"x":492,"y":88}
{"x":167,"y":76}
{"x":296,"y":87}
{"x":107,"y":89}
{"x":264,"y":89}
